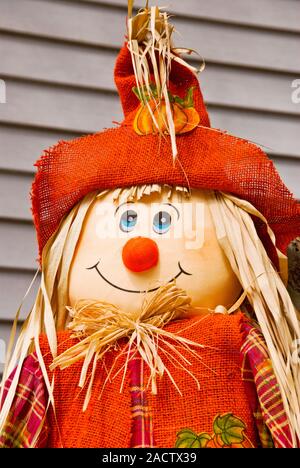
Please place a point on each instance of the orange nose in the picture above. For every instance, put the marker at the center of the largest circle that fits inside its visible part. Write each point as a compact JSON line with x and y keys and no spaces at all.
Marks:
{"x":140,"y":254}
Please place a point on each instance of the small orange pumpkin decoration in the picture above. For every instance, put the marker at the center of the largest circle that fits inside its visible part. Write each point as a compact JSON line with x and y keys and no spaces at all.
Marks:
{"x":151,"y":117}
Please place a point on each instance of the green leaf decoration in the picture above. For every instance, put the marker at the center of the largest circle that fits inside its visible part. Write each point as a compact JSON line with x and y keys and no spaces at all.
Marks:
{"x":189,"y":99}
{"x":230,"y":428}
{"x":203,"y":438}
{"x":143,"y":95}
{"x":187,"y":438}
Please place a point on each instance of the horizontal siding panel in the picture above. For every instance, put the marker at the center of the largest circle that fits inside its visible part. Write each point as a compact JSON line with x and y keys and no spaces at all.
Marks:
{"x":5,"y":330}
{"x":277,"y":134}
{"x":242,"y":46}
{"x":14,"y":285}
{"x":23,"y":146}
{"x":18,"y":206}
{"x":73,"y":21}
{"x":57,"y":62}
{"x":58,"y":107}
{"x":106,"y":27}
{"x":88,"y":111}
{"x":253,"y":90}
{"x":73,"y":65}
{"x":289,"y":171}
{"x":261,"y":13}
{"x":19,"y":250}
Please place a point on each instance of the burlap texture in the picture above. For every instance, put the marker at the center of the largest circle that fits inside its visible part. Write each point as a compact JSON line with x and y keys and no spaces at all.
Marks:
{"x":107,"y":422}
{"x":222,"y":389}
{"x":118,"y":157}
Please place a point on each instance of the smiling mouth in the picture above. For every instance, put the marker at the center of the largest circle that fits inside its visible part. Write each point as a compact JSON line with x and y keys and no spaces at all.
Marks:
{"x":96,"y":267}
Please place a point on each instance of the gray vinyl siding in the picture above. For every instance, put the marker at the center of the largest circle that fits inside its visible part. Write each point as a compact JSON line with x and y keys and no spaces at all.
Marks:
{"x":57,"y":60}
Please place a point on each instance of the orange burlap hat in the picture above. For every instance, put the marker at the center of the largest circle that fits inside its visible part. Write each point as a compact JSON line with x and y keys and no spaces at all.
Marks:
{"x":119,"y":157}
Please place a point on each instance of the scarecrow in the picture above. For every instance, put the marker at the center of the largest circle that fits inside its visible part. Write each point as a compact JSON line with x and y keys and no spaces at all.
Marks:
{"x":162,"y":317}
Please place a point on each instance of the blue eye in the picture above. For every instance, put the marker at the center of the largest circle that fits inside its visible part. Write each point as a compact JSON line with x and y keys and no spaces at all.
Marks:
{"x":128,"y":221}
{"x":162,"y":222}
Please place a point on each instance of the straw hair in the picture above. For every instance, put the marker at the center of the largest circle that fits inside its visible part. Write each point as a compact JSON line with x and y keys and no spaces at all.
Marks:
{"x":265,"y":290}
{"x":49,"y":312}
{"x":268,"y":296}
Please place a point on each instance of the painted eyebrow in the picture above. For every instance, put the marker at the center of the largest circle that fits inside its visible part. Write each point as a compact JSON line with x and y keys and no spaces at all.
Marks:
{"x":122,"y":204}
{"x":131,"y":202}
{"x":176,"y":209}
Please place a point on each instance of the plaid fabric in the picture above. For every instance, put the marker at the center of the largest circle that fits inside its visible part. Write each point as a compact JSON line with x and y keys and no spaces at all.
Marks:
{"x":28,"y":411}
{"x":25,"y":425}
{"x":141,"y":423}
{"x":257,"y":368}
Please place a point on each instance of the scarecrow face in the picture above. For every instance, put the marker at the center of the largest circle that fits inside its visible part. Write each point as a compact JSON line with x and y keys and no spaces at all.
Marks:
{"x":128,"y":249}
